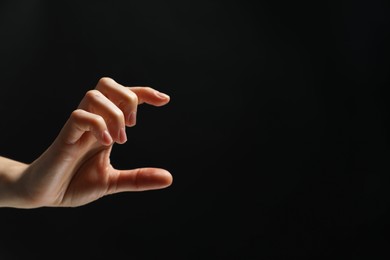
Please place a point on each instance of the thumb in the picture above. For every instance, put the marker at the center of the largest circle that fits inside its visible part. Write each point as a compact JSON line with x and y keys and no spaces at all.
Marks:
{"x":140,"y":179}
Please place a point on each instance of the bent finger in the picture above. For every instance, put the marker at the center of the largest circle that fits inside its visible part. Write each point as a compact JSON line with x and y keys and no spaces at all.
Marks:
{"x":122,"y":97}
{"x":128,"y":98}
{"x":81,"y":122}
{"x":97,"y":103}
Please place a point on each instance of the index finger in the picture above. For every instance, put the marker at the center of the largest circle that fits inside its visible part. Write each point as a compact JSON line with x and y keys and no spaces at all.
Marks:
{"x":127,"y":99}
{"x":150,"y":96}
{"x":121,"y":95}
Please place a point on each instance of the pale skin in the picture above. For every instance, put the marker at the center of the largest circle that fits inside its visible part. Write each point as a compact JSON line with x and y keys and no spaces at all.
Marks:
{"x":75,"y":169}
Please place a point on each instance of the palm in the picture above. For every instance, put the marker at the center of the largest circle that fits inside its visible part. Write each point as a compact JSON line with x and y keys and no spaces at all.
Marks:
{"x":92,"y":180}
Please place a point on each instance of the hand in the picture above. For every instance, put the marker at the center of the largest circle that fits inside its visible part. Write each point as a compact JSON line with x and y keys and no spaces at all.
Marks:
{"x":76,"y":169}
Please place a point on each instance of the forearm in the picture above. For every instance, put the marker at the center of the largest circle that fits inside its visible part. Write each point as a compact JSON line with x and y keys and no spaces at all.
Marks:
{"x":10,"y":173}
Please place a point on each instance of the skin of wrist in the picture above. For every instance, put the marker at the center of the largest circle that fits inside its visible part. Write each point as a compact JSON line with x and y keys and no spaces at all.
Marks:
{"x":11,"y":194}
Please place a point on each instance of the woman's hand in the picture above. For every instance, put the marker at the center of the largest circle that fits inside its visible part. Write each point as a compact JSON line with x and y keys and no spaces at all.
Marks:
{"x":76,"y":168}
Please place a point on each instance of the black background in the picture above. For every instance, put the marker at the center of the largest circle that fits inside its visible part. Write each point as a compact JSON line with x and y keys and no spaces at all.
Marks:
{"x":277,"y":133}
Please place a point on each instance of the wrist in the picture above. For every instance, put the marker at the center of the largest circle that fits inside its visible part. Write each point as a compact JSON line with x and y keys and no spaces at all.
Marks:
{"x":10,"y":190}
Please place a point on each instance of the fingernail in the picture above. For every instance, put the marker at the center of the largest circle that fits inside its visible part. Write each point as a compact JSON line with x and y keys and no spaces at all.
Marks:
{"x":122,"y":135}
{"x":161,"y":95}
{"x":107,"y":137}
{"x":132,"y":119}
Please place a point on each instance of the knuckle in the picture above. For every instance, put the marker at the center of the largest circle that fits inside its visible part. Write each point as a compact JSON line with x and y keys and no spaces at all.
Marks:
{"x":98,"y":120}
{"x":77,"y":114}
{"x":92,"y":94}
{"x":133,"y":98}
{"x":117,"y":115}
{"x":104,"y":81}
